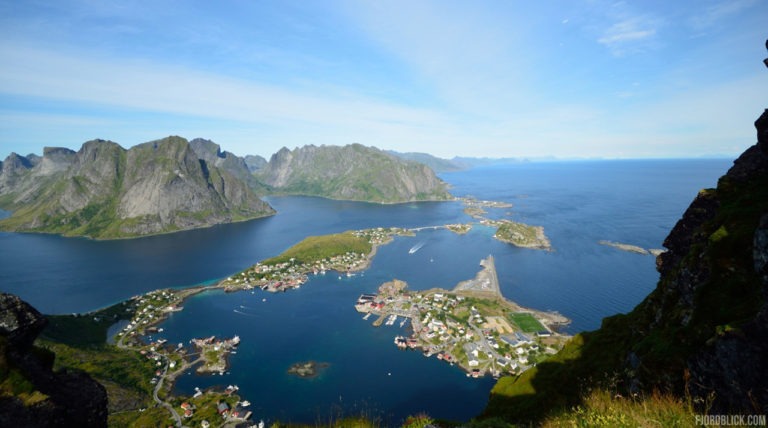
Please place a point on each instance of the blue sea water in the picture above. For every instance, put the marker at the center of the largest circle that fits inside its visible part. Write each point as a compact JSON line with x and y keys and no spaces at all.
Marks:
{"x":578,"y":203}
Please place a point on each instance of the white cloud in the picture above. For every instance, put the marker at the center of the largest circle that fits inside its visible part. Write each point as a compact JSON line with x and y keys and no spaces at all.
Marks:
{"x":629,"y":35}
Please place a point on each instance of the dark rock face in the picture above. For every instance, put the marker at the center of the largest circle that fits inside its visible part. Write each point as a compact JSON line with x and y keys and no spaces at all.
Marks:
{"x":701,"y":334}
{"x":66,"y":399}
{"x":731,"y":369}
{"x":19,"y":322}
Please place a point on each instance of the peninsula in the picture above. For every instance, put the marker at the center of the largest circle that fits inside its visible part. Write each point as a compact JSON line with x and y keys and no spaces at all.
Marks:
{"x":346,"y":253}
{"x":472,"y":325}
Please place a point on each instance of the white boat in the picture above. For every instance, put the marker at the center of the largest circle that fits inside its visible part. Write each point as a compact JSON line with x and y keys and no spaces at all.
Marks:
{"x":416,"y":247}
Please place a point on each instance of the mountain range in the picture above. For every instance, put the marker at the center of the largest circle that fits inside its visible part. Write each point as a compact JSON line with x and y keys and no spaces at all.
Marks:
{"x":352,"y":172}
{"x":104,"y":191}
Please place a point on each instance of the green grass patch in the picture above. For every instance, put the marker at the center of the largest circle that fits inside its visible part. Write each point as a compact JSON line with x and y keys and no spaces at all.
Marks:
{"x":125,"y":374}
{"x":526,"y":322}
{"x":85,"y":329}
{"x":316,"y":248}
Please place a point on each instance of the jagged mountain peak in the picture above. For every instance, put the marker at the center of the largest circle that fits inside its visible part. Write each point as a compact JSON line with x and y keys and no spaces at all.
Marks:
{"x":106,"y":191}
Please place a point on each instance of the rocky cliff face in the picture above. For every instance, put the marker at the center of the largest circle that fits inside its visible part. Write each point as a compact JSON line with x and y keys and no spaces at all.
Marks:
{"x":31,"y":394}
{"x":255,"y":163}
{"x":352,"y":172}
{"x":105,"y":191}
{"x":701,"y":334}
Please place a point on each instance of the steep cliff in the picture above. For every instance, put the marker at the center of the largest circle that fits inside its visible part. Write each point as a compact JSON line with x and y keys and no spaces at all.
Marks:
{"x":702,"y":334}
{"x":31,"y":394}
{"x":104,"y":191}
{"x":352,"y":172}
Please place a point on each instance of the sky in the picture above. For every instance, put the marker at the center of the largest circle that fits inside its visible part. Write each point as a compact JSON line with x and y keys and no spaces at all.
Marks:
{"x":559,"y":78}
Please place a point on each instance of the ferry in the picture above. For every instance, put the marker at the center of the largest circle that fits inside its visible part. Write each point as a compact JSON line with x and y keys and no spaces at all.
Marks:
{"x":416,"y":247}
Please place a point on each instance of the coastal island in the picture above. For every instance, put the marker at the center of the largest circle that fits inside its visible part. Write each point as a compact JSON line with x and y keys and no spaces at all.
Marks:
{"x":307,"y":369}
{"x":518,"y":234}
{"x":631,"y":248}
{"x":521,"y":235}
{"x":346,"y":253}
{"x":472,"y":325}
{"x":214,"y":352}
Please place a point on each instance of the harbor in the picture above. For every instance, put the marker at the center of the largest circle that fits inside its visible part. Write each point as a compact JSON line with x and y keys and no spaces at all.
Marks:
{"x":471,"y":326}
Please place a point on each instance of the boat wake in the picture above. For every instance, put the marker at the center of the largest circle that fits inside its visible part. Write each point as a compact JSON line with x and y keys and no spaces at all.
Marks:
{"x":244,"y":313}
{"x":416,"y":247}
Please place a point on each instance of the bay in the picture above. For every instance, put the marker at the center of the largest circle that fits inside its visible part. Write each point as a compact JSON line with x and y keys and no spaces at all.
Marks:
{"x":578,"y":203}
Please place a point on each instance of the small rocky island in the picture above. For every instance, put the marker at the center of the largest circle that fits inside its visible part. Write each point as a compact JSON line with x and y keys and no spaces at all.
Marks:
{"x":307,"y":369}
{"x":213,"y":353}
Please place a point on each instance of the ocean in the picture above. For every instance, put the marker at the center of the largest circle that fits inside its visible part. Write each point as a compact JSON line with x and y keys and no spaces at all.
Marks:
{"x":578,"y":204}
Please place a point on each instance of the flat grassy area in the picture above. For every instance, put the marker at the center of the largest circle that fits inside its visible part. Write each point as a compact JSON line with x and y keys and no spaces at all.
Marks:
{"x":526,"y":322}
{"x":315,"y":248}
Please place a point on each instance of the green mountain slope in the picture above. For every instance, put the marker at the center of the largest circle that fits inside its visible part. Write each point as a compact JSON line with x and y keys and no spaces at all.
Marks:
{"x":104,"y":191}
{"x":701,"y":335}
{"x":352,"y":172}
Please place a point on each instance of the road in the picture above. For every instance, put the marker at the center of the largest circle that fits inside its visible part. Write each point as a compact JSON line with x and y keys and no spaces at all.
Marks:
{"x":157,"y":399}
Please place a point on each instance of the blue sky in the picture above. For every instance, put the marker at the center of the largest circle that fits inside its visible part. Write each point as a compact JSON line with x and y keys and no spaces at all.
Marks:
{"x":509,"y":78}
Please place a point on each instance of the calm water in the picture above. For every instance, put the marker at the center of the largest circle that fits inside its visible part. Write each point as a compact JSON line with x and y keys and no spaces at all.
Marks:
{"x":578,"y":203}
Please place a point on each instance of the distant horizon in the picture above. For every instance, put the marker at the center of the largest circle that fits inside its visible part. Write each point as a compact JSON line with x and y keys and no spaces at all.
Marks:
{"x":570,"y":79}
{"x":511,"y":159}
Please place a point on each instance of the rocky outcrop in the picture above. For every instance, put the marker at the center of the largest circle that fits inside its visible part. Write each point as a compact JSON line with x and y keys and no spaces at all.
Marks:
{"x":255,"y":163}
{"x":352,"y":172}
{"x":104,"y":191}
{"x":32,"y":395}
{"x":212,"y":154}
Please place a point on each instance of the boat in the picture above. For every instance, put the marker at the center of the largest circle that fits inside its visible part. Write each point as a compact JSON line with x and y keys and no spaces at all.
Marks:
{"x":416,"y":247}
{"x":402,"y":323}
{"x":367,"y":316}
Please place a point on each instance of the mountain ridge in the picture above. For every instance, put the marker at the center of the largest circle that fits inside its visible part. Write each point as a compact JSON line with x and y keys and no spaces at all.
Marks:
{"x":104,"y":191}
{"x":351,"y":172}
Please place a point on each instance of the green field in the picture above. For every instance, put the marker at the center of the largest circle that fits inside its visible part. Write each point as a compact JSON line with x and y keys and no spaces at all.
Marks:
{"x":526,"y":322}
{"x":316,"y":248}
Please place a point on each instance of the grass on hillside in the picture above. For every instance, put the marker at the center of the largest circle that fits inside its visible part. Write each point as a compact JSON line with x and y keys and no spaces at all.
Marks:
{"x":316,"y":248}
{"x":125,"y":374}
{"x":604,"y":409}
{"x":85,"y":329}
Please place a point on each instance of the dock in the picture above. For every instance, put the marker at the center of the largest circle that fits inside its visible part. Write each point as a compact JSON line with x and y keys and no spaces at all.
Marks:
{"x":380,"y":320}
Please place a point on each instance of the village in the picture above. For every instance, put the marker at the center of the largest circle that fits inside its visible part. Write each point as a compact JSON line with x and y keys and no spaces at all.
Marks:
{"x":205,"y":408}
{"x":276,"y":275}
{"x":471,"y":326}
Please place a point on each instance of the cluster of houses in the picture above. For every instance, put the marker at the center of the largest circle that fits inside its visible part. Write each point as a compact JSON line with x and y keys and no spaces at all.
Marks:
{"x":475,"y":341}
{"x":227,"y":412}
{"x":290,"y":274}
{"x":214,"y":352}
{"x":150,"y":309}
